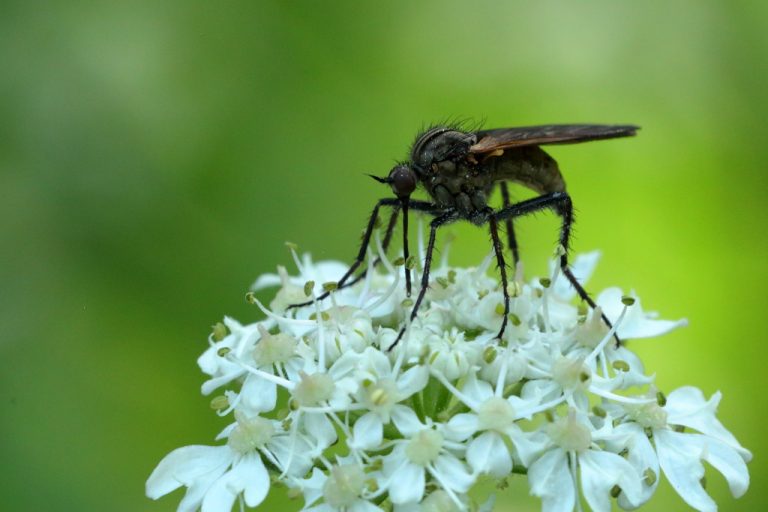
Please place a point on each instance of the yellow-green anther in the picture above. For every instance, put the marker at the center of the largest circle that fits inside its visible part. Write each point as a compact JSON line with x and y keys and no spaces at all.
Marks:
{"x":489,"y":354}
{"x":219,"y":331}
{"x":282,"y":414}
{"x":399,"y":262}
{"x":514,"y":319}
{"x":374,"y":465}
{"x":620,"y":365}
{"x":371,"y":485}
{"x":599,"y":411}
{"x":661,"y":398}
{"x":615,"y":491}
{"x":482,"y":293}
{"x":442,"y":282}
{"x":451,"y":276}
{"x":379,"y":396}
{"x":584,"y":376}
{"x":367,"y":383}
{"x":410,"y":263}
{"x":223,"y":351}
{"x":499,"y":309}
{"x":627,"y":301}
{"x":308,"y":287}
{"x":219,"y":403}
{"x":582,"y":309}
{"x":538,"y":292}
{"x":545,"y":282}
{"x":292,"y":246}
{"x":649,"y":476}
{"x":514,"y":289}
{"x":250,"y":298}
{"x":407,"y":303}
{"x":330,"y":286}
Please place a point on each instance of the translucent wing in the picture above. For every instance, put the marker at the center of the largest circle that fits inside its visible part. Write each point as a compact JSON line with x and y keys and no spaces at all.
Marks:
{"x":502,"y":138}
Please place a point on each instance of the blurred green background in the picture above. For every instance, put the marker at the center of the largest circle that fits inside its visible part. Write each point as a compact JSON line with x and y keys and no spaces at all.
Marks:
{"x":154,"y":156}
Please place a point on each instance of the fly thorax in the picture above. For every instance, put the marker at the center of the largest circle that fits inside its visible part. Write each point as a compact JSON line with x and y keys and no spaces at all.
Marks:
{"x":464,"y":190}
{"x":440,"y":144}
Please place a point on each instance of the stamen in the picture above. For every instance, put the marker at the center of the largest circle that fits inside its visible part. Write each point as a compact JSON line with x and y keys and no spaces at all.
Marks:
{"x":600,"y":346}
{"x":288,"y":320}
{"x":264,"y":375}
{"x":293,"y":248}
{"x":458,"y":394}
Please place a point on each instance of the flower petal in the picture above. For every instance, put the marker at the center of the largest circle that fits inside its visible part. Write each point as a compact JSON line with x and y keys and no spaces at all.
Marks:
{"x":368,"y":432}
{"x":255,"y":478}
{"x":320,"y":428}
{"x":550,"y":479}
{"x":636,"y":323}
{"x":687,"y":406}
{"x":453,"y":473}
{"x":641,"y":455}
{"x":258,"y":395}
{"x":406,"y":420}
{"x":412,"y":381}
{"x":462,"y":426}
{"x":488,"y":454}
{"x":680,"y":457}
{"x":406,"y":485}
{"x":477,"y":390}
{"x":187,"y":465}
{"x":600,"y":471}
{"x":528,"y":445}
{"x":248,"y":476}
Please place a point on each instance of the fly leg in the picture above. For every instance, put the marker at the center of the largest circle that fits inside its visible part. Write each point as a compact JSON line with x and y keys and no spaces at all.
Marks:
{"x":384,"y":245}
{"x":561,"y":203}
{"x":511,"y":240}
{"x":395,"y":204}
{"x":436,"y":223}
{"x":502,"y":270}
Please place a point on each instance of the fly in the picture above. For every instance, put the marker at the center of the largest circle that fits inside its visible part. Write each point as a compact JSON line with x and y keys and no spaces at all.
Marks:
{"x":459,"y":170}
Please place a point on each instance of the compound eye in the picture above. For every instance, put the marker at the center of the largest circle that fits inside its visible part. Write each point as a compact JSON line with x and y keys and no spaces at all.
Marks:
{"x":402,"y":180}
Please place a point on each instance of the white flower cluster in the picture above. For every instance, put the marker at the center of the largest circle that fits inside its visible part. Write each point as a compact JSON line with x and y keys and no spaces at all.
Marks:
{"x":321,"y":407}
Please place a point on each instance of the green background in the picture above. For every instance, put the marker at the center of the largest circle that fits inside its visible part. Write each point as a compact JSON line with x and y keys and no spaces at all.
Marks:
{"x":154,"y":156}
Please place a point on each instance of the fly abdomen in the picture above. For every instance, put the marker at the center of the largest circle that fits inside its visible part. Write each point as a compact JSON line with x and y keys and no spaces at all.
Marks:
{"x":529,"y":166}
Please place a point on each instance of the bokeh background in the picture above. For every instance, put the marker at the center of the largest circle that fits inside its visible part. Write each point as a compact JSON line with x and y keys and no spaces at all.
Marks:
{"x":155,"y":156}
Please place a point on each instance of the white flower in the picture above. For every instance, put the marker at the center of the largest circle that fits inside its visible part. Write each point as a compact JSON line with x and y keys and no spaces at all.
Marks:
{"x":423,"y":451}
{"x":217,"y":475}
{"x":679,"y":454}
{"x":383,"y":387}
{"x":572,"y":458}
{"x":323,"y":408}
{"x":496,"y":417}
{"x":344,"y":486}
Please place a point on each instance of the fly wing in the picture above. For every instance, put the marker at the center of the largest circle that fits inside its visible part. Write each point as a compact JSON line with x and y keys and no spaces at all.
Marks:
{"x":503,"y":138}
